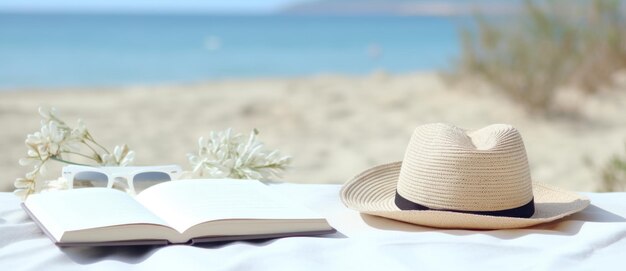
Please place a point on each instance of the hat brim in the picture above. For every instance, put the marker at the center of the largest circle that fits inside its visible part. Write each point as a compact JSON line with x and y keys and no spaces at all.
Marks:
{"x":373,"y":192}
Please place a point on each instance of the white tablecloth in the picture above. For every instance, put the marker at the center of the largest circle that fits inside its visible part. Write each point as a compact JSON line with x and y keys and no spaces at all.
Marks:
{"x":593,"y":239}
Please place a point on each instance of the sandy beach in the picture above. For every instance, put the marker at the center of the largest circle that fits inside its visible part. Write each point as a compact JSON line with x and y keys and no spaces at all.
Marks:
{"x":333,"y":126}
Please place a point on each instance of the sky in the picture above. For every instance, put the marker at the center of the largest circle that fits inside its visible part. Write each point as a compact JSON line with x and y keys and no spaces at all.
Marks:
{"x":243,"y":6}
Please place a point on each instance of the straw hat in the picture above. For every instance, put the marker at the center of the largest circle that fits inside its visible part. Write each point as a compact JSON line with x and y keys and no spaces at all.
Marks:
{"x":452,"y":178}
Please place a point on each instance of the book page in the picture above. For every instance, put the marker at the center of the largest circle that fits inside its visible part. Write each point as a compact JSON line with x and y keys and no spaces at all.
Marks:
{"x":185,"y":203}
{"x":87,"y":208}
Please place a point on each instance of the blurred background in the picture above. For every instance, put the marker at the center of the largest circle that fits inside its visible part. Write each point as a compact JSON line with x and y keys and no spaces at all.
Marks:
{"x":339,"y":85}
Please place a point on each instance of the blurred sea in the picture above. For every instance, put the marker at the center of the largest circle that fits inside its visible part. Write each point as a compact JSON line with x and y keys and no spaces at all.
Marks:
{"x":59,"y":50}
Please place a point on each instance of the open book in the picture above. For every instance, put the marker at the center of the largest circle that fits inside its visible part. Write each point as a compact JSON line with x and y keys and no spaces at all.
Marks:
{"x":183,"y":211}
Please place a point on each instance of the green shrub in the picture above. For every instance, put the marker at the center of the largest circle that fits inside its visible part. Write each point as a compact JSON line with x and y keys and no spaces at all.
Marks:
{"x":551,"y":44}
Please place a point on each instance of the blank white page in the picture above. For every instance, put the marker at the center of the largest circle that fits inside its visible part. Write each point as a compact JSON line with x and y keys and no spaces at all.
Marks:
{"x":77,"y":209}
{"x":185,"y":203}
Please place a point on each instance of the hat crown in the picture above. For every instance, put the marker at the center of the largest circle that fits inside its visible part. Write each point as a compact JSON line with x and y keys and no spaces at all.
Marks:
{"x":449,"y":168}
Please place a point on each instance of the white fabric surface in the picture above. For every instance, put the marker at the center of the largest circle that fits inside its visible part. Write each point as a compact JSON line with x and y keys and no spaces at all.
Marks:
{"x":593,"y":239}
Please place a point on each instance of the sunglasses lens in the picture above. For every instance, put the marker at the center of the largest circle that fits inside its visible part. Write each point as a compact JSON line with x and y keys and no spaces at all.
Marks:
{"x":147,"y":179}
{"x":90,"y":179}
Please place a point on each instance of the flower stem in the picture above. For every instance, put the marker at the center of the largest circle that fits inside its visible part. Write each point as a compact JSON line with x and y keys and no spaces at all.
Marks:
{"x":80,"y":154}
{"x":274,"y":165}
{"x":101,"y":147}
{"x":90,"y":147}
{"x":67,"y":162}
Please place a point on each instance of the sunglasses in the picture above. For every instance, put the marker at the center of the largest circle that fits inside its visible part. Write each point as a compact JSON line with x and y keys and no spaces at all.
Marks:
{"x":129,"y":179}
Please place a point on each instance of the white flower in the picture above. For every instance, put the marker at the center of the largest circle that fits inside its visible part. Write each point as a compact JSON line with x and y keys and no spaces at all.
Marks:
{"x":23,"y":183}
{"x":32,"y":157}
{"x":80,"y":131}
{"x":38,"y":168}
{"x":46,"y":142}
{"x":24,"y":187}
{"x":223,"y":154}
{"x":55,"y":185}
{"x":56,"y":141}
{"x":121,"y":156}
{"x":48,"y":113}
{"x":22,"y":193}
